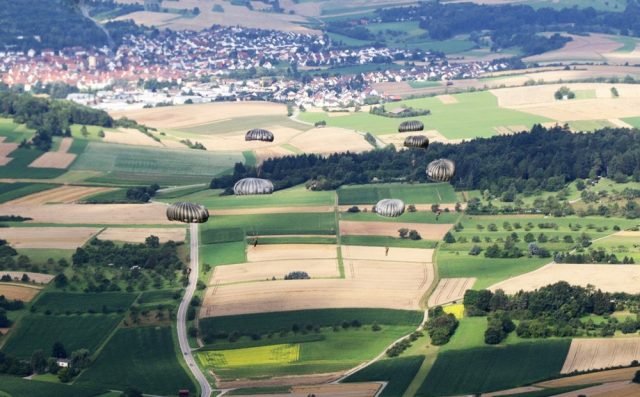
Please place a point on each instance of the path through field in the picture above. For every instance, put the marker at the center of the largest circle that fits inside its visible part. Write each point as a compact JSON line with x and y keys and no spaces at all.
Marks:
{"x":183,"y":339}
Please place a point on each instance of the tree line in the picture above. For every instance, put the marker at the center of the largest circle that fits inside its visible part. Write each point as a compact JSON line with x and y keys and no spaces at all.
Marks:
{"x":544,"y":159}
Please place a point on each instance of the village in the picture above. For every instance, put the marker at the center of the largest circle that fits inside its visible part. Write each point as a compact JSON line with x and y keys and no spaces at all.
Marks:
{"x":229,"y":63}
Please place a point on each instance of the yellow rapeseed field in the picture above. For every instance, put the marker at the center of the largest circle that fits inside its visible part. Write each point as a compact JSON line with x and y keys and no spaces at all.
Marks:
{"x":457,"y":310}
{"x":274,"y":354}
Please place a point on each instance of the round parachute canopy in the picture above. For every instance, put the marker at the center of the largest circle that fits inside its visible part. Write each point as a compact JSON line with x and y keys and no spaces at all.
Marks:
{"x":259,"y":134}
{"x":409,"y":126}
{"x":390,"y":207}
{"x":441,"y":170}
{"x":249,"y":186}
{"x":417,"y":141}
{"x":187,"y":212}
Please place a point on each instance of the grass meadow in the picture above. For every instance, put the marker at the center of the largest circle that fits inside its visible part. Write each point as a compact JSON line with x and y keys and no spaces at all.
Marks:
{"x":276,"y":224}
{"x":474,"y":115}
{"x":17,"y":387}
{"x":62,"y":302}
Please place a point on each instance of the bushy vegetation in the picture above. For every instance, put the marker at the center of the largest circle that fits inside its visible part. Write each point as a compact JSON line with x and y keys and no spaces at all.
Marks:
{"x":441,"y":326}
{"x":554,"y":310}
{"x":400,"y":113}
{"x":541,"y":160}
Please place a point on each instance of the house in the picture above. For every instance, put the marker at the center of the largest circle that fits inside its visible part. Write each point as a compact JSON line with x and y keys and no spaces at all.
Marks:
{"x":63,"y":362}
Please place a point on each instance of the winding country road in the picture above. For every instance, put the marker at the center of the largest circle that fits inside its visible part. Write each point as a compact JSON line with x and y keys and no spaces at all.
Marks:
{"x":183,"y":339}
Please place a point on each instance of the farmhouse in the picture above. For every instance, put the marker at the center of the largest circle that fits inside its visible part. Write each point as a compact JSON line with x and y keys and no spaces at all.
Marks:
{"x":63,"y":362}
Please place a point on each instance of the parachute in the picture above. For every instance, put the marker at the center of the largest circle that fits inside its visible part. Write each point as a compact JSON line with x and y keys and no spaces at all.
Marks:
{"x":187,"y":213}
{"x":250,"y":186}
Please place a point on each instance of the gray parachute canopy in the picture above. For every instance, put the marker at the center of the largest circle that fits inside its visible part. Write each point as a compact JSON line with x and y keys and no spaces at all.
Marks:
{"x":411,"y":125}
{"x":249,"y":186}
{"x":390,"y":207}
{"x":187,"y":212}
{"x":416,"y":141}
{"x":441,"y":170}
{"x":258,"y":134}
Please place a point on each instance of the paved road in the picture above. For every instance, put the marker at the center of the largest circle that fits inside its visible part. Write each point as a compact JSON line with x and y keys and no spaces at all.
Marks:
{"x":183,"y":339}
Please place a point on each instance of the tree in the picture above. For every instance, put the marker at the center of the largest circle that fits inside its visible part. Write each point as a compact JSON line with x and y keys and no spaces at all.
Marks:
{"x":38,"y":362}
{"x":83,"y":131}
{"x":414,"y":235}
{"x":448,"y":238}
{"x":58,"y":350}
{"x":152,"y":242}
{"x":493,"y":335}
{"x":403,"y":232}
{"x":636,"y":377}
{"x":60,"y":280}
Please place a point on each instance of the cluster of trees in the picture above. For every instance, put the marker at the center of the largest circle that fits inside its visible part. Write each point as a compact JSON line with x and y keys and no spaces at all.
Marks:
{"x":49,"y":117}
{"x":406,"y":112}
{"x":540,"y":160}
{"x":403,"y":345}
{"x":193,"y":145}
{"x":499,"y":326}
{"x":553,"y":310}
{"x":563,"y":92}
{"x":152,"y":256}
{"x":591,"y":255}
{"x":297,"y":276}
{"x":142,"y":194}
{"x":41,"y":363}
{"x":441,"y":326}
{"x":405,"y":233}
{"x":110,"y":8}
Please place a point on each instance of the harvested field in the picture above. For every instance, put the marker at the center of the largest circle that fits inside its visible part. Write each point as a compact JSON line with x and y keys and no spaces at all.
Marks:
{"x":334,"y":390}
{"x":600,"y":353}
{"x":433,"y":135}
{"x":614,"y":389}
{"x":59,"y":159}
{"x":270,"y":152}
{"x":293,"y":251}
{"x":47,"y":237}
{"x":138,"y":235}
{"x":107,"y":214}
{"x":447,"y":99}
{"x":303,"y":380}
{"x":330,"y":140}
{"x":63,"y":194}
{"x":427,"y":231}
{"x":188,"y":116}
{"x":5,"y":151}
{"x":394,"y":254}
{"x":235,"y":140}
{"x":21,"y":292}
{"x":450,"y":290}
{"x":39,"y":278}
{"x":261,"y":271}
{"x":54,"y":160}
{"x":609,"y":278}
{"x":130,"y":136}
{"x":593,"y":47}
{"x":512,"y":392}
{"x":379,"y":284}
{"x":628,"y":233}
{"x":539,"y":100}
{"x":614,"y":375}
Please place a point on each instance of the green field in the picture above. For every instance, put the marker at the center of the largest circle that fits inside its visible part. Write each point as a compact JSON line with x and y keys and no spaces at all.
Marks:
{"x":18,"y":387}
{"x":113,"y":196}
{"x":337,"y":350}
{"x":385,"y":241}
{"x":144,"y":358}
{"x":424,"y":84}
{"x":61,"y":302}
{"x":223,"y":253}
{"x":488,"y":271}
{"x":292,"y":197}
{"x":160,"y":296}
{"x":432,"y":193}
{"x":241,"y":124}
{"x":136,"y":164}
{"x":12,"y":191}
{"x":275,"y":224}
{"x":36,"y":331}
{"x":399,"y":372}
{"x":295,"y":240}
{"x":487,"y":369}
{"x":14,"y":132}
{"x":19,"y":166}
{"x":475,"y":115}
{"x":263,"y":323}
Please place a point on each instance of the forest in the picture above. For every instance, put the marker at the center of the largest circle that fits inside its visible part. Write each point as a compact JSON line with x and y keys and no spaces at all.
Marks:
{"x":40,"y":24}
{"x":513,"y":25}
{"x":529,"y":162}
